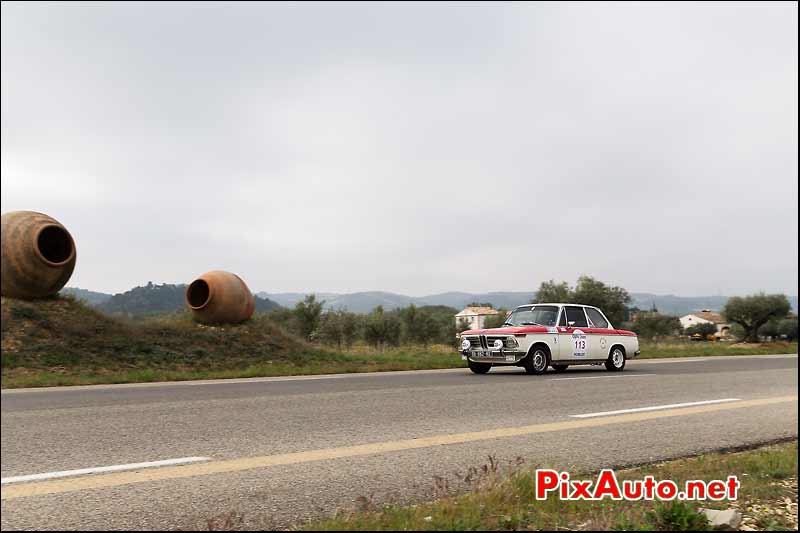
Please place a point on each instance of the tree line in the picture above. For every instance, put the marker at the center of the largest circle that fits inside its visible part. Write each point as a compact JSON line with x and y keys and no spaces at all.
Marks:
{"x":752,"y":317}
{"x":432,"y":324}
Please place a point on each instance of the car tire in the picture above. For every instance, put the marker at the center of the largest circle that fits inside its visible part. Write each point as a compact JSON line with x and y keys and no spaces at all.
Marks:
{"x":537,"y":361}
{"x":616,"y":359}
{"x":560,"y":368}
{"x":479,"y":368}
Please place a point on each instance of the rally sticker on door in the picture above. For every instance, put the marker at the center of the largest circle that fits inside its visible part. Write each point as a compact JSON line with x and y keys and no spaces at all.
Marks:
{"x":578,"y":343}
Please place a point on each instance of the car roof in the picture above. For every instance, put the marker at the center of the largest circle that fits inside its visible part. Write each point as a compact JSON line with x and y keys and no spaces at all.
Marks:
{"x":558,"y":304}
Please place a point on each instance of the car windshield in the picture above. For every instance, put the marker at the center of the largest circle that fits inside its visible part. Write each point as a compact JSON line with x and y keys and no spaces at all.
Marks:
{"x":539,"y":315}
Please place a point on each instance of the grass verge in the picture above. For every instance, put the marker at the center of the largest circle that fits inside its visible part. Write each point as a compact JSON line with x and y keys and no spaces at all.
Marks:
{"x":61,"y":341}
{"x":768,"y":500}
{"x":677,"y":348}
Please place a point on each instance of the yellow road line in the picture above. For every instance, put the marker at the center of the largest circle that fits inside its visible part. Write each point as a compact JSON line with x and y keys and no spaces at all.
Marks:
{"x":237,"y":465}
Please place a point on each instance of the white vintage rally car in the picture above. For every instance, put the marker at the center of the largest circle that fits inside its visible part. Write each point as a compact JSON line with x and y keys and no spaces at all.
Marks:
{"x":536,"y":336}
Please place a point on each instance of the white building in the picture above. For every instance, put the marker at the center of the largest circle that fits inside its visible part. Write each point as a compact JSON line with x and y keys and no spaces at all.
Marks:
{"x":475,"y":316}
{"x":707,"y":316}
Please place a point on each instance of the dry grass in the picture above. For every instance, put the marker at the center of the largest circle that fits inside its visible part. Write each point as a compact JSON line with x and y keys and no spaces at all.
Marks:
{"x":687,"y":348}
{"x":768,"y":500}
{"x":61,"y":341}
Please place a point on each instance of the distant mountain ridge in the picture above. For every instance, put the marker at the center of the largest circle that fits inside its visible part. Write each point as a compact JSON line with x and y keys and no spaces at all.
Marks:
{"x":365,"y":302}
{"x":682,"y":305}
{"x":148,"y":299}
{"x":90,"y":297}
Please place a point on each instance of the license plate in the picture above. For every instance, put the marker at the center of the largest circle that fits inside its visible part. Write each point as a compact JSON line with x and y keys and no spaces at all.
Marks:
{"x":482,"y":353}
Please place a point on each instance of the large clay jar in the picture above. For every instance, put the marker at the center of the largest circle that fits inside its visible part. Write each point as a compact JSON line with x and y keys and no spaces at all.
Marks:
{"x":38,"y":255}
{"x":219,"y":297}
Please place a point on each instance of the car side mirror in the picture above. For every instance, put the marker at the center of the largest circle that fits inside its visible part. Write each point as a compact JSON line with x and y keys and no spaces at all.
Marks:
{"x":571,"y":323}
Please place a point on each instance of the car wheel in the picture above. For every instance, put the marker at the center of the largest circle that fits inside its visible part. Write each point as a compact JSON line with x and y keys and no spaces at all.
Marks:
{"x":479,"y":368}
{"x":616,"y":360}
{"x":538,"y":361}
{"x":560,"y":368}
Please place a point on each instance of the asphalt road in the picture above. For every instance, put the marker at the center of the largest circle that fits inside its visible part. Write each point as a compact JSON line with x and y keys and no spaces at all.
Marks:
{"x":279,"y":451}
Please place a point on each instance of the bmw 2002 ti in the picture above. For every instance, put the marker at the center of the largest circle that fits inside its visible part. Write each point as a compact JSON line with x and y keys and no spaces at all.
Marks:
{"x":536,"y":336}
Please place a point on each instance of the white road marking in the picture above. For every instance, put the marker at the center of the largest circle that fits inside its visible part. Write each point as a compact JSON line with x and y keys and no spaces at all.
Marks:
{"x":656,"y":408}
{"x":672,"y":360}
{"x":102,"y":469}
{"x":662,"y":360}
{"x":223,"y":466}
{"x":228,"y":381}
{"x":601,"y":377}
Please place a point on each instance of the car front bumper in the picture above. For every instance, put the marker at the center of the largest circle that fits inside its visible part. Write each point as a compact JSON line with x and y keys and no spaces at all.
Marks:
{"x":501,"y":357}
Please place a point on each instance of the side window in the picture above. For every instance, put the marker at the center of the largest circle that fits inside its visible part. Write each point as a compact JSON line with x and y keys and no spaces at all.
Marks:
{"x":576,"y":315}
{"x":597,"y":318}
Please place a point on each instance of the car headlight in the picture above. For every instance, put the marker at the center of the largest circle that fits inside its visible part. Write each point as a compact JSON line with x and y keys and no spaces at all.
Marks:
{"x":465,"y":344}
{"x":511,"y":342}
{"x":498,"y":344}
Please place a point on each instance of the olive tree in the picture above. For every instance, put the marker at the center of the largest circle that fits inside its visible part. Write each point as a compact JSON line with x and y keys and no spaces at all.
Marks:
{"x":307,"y":315}
{"x":419,"y":325}
{"x":552,"y":292}
{"x":337,"y":327}
{"x":752,"y":312}
{"x":612,"y":300}
{"x":495,"y":321}
{"x":770,"y":329}
{"x":381,"y":328}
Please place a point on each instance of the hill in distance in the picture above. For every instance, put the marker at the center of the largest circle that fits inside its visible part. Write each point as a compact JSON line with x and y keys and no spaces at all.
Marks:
{"x":364,"y":302}
{"x":147,"y":300}
{"x":152,"y":298}
{"x":90,"y":297}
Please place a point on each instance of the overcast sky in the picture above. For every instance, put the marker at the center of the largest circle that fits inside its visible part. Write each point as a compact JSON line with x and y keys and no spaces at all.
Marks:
{"x":415,"y":148}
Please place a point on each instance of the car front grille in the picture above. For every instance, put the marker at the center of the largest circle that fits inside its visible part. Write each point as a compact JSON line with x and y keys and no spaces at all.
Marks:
{"x":486,"y":342}
{"x":490,"y":340}
{"x":474,"y":342}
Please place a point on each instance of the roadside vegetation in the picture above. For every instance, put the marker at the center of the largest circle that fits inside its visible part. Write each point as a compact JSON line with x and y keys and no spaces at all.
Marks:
{"x":497,"y":500}
{"x":686,"y":348}
{"x":63,"y":341}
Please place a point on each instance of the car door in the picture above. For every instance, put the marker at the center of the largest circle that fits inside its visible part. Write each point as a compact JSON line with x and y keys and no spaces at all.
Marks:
{"x":598,"y":333}
{"x":573,"y":338}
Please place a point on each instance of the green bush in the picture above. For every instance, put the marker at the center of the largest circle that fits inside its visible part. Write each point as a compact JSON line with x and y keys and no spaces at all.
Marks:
{"x":703,"y":329}
{"x":25,"y":311}
{"x":677,"y":516}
